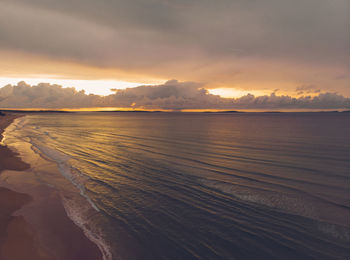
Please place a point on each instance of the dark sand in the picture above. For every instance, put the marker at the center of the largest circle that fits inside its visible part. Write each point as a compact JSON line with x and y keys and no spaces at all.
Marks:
{"x":59,"y":237}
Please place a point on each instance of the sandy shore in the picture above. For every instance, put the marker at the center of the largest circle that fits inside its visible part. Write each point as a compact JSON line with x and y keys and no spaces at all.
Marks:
{"x":8,"y":159}
{"x":35,"y":225}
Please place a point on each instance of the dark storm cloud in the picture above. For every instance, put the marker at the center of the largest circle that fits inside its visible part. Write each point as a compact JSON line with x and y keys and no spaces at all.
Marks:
{"x":172,"y":95}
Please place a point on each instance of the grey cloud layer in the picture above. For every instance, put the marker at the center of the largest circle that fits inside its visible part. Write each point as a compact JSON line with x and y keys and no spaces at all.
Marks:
{"x":234,"y":27}
{"x":172,"y":95}
{"x":164,"y":36}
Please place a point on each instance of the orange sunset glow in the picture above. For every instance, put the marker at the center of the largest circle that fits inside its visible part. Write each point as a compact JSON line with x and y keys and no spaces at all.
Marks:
{"x":256,"y":51}
{"x":174,"y":129}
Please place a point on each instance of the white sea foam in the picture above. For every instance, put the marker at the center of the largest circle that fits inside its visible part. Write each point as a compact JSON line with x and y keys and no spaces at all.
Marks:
{"x":62,"y":161}
{"x":336,"y":231}
{"x":297,"y":204}
{"x":289,"y":202}
{"x":77,"y":211}
{"x":80,"y":214}
{"x":17,"y":124}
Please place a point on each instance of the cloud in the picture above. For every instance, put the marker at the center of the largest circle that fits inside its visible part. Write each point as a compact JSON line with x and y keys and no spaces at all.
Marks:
{"x":173,"y":95}
{"x":308,"y":89}
{"x":265,"y":41}
{"x":44,"y":95}
{"x":226,"y":27}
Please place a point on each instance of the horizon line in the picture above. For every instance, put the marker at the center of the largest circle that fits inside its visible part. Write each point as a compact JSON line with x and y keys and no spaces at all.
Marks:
{"x":75,"y":110}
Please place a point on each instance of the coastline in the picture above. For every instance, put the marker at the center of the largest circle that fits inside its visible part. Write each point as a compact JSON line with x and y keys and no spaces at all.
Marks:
{"x":33,"y":221}
{"x":9,"y":160}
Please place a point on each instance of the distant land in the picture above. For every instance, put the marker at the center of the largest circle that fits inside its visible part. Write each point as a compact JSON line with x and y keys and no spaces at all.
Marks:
{"x":33,"y":111}
{"x":132,"y":111}
{"x":26,"y":111}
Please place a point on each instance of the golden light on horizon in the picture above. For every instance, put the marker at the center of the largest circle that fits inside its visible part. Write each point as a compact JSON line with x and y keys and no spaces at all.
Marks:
{"x":236,"y":93}
{"x":103,"y":87}
{"x":98,"y":87}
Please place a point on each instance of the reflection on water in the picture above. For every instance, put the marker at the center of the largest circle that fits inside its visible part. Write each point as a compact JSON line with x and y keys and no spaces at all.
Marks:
{"x":209,"y":186}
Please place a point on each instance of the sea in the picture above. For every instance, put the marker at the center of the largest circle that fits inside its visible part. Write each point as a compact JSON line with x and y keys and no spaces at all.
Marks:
{"x":201,"y":185}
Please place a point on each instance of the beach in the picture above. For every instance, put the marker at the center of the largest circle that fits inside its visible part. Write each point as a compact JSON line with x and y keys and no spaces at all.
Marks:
{"x":33,"y":220}
{"x":175,"y":186}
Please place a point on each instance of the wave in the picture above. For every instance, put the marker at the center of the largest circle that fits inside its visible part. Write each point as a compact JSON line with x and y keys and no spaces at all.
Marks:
{"x":81,"y":216}
{"x":292,"y":203}
{"x":198,"y":193}
{"x":16,"y":125}
{"x":78,"y":211}
{"x":62,"y":161}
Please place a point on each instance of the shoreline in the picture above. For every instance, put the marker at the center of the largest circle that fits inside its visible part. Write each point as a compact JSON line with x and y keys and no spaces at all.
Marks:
{"x":33,"y":221}
{"x":9,"y":160}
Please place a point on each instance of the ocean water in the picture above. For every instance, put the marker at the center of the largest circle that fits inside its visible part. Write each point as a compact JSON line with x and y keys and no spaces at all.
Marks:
{"x":204,"y":186}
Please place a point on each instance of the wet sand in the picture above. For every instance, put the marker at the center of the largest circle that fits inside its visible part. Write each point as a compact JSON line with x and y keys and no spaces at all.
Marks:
{"x":8,"y":159}
{"x":36,"y":226}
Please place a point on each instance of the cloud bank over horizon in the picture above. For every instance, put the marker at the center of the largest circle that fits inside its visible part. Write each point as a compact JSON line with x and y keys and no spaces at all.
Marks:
{"x":172,"y":95}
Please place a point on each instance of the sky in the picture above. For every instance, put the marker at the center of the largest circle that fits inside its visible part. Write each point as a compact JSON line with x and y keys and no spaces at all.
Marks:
{"x":227,"y":49}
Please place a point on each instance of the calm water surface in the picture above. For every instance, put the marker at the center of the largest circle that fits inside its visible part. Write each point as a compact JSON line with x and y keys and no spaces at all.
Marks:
{"x":207,"y":186}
